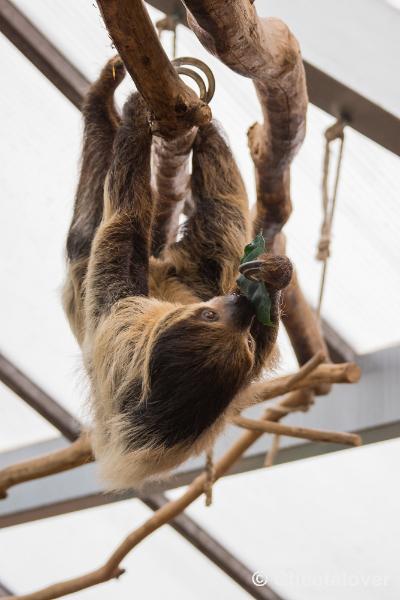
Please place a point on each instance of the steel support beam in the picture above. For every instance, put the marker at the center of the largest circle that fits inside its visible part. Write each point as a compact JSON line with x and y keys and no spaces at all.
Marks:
{"x":213,"y":550}
{"x":80,"y":489}
{"x":38,"y":399}
{"x":4,"y":590}
{"x":42,"y":53}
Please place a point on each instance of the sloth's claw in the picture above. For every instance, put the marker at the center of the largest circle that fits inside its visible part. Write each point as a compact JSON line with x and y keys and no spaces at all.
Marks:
{"x":274,"y":271}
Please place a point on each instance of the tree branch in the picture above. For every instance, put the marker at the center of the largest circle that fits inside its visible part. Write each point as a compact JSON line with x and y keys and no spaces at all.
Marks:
{"x":75,"y":455}
{"x":314,"y":435}
{"x":176,"y":107}
{"x":265,"y":51}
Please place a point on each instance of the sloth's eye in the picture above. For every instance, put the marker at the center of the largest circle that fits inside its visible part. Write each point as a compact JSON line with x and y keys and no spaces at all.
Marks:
{"x":250,"y":342}
{"x":209,"y":315}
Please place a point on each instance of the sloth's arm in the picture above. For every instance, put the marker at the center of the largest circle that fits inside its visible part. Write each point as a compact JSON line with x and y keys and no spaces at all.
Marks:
{"x":207,"y":257}
{"x":119,"y":260}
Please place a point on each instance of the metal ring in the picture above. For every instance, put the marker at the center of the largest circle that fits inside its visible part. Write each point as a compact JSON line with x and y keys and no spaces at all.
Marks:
{"x":199,"y":64}
{"x":196,"y":77}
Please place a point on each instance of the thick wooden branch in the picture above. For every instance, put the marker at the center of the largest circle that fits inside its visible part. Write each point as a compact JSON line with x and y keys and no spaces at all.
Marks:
{"x":265,"y":51}
{"x":75,"y":455}
{"x":175,"y":106}
{"x":305,"y":433}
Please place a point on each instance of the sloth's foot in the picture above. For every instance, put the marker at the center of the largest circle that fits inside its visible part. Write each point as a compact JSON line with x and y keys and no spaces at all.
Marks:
{"x":275,"y":271}
{"x":110,"y":77}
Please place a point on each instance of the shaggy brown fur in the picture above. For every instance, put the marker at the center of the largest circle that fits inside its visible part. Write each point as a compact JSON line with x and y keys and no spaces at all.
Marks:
{"x":168,"y":344}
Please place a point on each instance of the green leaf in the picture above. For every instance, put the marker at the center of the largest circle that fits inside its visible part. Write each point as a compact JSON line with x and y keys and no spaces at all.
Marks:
{"x":256,"y":291}
{"x":254,"y":249}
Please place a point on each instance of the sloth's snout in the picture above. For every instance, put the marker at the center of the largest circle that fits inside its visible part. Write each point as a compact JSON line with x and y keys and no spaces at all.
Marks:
{"x":241,"y":312}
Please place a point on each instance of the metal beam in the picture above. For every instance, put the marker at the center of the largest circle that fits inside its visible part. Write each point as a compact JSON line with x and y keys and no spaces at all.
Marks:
{"x":213,"y":550}
{"x":339,"y":350}
{"x":5,"y":591}
{"x":38,"y":399}
{"x":80,"y":489}
{"x":42,"y":53}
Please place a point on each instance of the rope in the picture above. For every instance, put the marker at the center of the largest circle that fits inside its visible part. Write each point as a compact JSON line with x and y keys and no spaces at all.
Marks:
{"x":168,"y":23}
{"x":210,"y":476}
{"x":333,"y":133}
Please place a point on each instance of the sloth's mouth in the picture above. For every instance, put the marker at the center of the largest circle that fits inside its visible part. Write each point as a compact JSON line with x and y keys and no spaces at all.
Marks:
{"x":241,"y":311}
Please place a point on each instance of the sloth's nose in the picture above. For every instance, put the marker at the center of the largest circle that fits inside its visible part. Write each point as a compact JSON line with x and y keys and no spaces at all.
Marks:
{"x":241,"y":312}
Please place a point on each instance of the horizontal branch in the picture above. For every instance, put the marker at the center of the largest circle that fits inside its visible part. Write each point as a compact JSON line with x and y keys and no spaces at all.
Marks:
{"x":75,"y":455}
{"x":314,"y":435}
{"x":325,"y":373}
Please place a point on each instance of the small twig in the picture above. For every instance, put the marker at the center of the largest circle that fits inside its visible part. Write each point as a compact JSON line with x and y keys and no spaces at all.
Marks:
{"x":314,"y":435}
{"x":75,"y":455}
{"x":273,"y":451}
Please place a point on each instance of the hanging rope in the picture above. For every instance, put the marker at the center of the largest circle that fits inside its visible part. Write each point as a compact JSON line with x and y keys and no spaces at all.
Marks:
{"x":335,"y":132}
{"x":168,"y":23}
{"x":210,"y":476}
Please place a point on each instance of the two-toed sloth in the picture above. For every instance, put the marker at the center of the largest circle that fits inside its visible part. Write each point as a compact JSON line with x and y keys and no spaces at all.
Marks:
{"x":168,"y":344}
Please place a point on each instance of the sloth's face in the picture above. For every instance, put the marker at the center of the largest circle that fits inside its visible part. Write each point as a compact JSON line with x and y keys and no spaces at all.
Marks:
{"x":197,"y":365}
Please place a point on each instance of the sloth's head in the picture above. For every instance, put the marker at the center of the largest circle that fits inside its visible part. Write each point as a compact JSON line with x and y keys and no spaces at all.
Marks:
{"x":197,"y":365}
{"x":185,"y":366}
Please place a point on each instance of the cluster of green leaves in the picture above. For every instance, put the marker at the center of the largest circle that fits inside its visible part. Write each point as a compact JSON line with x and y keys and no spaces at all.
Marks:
{"x":256,"y":291}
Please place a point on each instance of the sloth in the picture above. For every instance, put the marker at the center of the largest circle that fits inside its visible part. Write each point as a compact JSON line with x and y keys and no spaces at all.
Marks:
{"x":168,"y":342}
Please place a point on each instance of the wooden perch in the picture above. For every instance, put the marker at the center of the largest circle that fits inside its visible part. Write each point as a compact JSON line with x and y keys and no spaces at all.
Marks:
{"x":75,"y":455}
{"x":175,"y":106}
{"x":111,"y":568}
{"x":314,"y":435}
